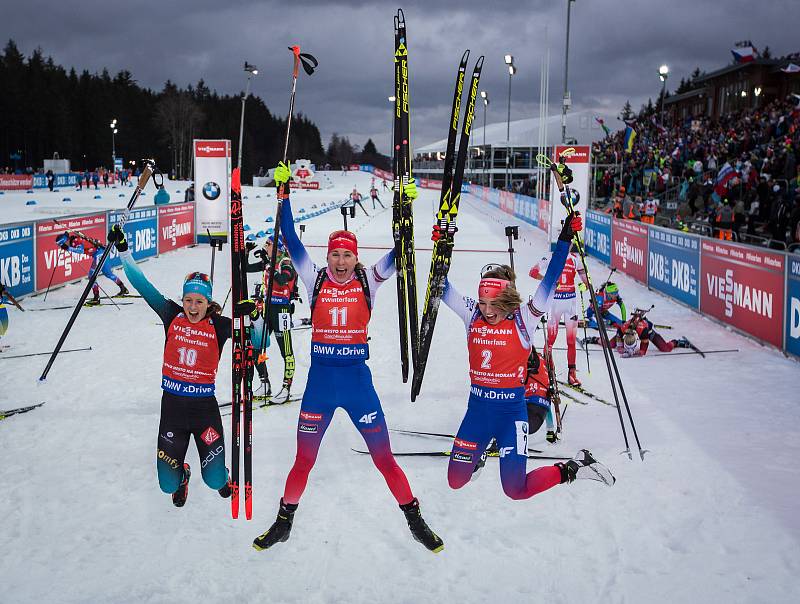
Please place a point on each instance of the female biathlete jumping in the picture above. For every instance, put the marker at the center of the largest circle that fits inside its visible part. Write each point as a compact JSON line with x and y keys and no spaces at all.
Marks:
{"x":195,"y":334}
{"x":341,"y":298}
{"x":499,"y":336}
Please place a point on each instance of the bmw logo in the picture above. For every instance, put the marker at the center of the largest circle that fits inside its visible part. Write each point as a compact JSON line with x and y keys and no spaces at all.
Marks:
{"x":211,"y":190}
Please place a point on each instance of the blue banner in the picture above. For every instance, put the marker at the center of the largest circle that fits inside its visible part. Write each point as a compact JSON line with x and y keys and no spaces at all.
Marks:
{"x":526,"y":208}
{"x":140,"y":231}
{"x":598,"y":235}
{"x":16,"y":258}
{"x":673,"y":265}
{"x":793,"y":305}
{"x":62,"y":180}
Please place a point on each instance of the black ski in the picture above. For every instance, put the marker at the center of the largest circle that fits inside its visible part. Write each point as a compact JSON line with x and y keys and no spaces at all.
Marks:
{"x":586,"y":393}
{"x":448,"y":453}
{"x":438,"y":435}
{"x":402,"y":220}
{"x":39,"y":354}
{"x":445,"y":225}
{"x":18,"y":410}
{"x":86,"y":304}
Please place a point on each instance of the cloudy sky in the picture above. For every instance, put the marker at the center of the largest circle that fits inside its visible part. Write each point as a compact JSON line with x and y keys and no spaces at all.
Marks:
{"x":616,"y":47}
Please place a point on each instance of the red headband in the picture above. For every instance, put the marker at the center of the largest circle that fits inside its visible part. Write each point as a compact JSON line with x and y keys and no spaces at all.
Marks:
{"x":491,"y":287}
{"x":344,"y":240}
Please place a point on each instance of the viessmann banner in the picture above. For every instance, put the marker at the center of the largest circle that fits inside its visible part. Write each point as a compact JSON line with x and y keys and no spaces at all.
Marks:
{"x":212,"y":186}
{"x":578,"y":162}
{"x":629,"y":248}
{"x":744,"y":286}
{"x":63,"y":266}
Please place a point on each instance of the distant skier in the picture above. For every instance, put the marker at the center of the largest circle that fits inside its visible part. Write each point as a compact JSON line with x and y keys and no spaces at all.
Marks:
{"x":633,"y":338}
{"x":564,"y":304}
{"x":95,"y":180}
{"x":539,"y":396}
{"x":356,"y":198}
{"x":279,"y":321}
{"x":195,"y":332}
{"x":373,"y":193}
{"x":607,"y":296}
{"x":341,"y":308}
{"x":5,"y":296}
{"x":499,"y":340}
{"x":385,"y":186}
{"x":78,"y":243}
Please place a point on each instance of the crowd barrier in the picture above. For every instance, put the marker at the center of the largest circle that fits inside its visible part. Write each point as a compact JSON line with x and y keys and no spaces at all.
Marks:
{"x":23,"y":182}
{"x":30,"y":260}
{"x":755,"y":291}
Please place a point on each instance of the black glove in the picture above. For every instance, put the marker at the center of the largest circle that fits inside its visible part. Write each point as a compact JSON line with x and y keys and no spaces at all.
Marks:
{"x":250,"y":246}
{"x":247,"y":307}
{"x":261,"y":255}
{"x":117,"y":236}
{"x":573,"y":224}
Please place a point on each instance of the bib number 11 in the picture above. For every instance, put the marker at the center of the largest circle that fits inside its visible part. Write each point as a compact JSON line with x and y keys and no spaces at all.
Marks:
{"x":338,"y":316}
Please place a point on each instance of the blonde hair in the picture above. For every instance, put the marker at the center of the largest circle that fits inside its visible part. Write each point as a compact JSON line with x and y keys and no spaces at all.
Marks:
{"x":508,"y":300}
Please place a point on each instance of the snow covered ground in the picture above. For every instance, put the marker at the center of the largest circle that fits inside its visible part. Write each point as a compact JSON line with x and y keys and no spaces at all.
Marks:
{"x":710,"y":515}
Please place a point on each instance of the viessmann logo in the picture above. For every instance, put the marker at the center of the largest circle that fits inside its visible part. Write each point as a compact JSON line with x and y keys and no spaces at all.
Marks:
{"x":211,"y":149}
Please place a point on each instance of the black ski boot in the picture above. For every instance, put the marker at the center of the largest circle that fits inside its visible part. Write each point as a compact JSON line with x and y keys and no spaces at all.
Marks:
{"x":583,"y":465}
{"x":123,"y":291}
{"x":179,"y":496}
{"x":420,"y":529}
{"x":280,"y":529}
{"x":225,"y":491}
{"x":681,"y":343}
{"x":264,"y":391}
{"x":95,"y":301}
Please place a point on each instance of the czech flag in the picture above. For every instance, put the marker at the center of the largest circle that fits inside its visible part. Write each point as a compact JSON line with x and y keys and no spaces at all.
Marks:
{"x":744,"y":54}
{"x":630,"y":136}
{"x":726,"y":174}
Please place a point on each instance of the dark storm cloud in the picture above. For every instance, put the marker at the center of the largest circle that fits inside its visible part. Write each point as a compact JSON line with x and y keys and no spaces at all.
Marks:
{"x":616,"y":47}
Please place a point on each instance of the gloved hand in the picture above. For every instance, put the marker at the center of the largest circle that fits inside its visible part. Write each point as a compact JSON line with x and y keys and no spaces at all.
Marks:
{"x":261,"y":254}
{"x":250,"y":246}
{"x":582,"y":287}
{"x":534,"y":272}
{"x":438,"y":233}
{"x":410,"y":190}
{"x":282,"y":174}
{"x":565,"y":172}
{"x":117,"y":236}
{"x":247,"y":307}
{"x":551,"y":436}
{"x":573,"y":224}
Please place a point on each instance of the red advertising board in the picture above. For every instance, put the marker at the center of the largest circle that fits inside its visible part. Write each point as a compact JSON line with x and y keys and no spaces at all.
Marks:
{"x":629,"y":249}
{"x":506,"y":201}
{"x":355,"y":167}
{"x":743,"y":286}
{"x":15,"y":182}
{"x":383,"y":174}
{"x":175,"y":226}
{"x":211,"y":148}
{"x":544,"y":214}
{"x":429,"y":183}
{"x":68,"y":266}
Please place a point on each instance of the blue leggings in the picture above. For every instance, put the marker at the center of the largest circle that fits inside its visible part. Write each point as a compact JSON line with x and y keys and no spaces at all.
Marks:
{"x":350,"y":387}
{"x":507,"y":422}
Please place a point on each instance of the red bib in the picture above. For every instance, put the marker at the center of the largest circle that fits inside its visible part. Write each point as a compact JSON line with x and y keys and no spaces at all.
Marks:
{"x":497,"y":356}
{"x":538,"y":383}
{"x":191,"y":357}
{"x":340,"y":321}
{"x":566,"y":282}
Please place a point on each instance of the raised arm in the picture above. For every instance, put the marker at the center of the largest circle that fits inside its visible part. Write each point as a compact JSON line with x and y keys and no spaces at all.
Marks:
{"x":303,"y":264}
{"x":463,"y":306}
{"x":151,"y":295}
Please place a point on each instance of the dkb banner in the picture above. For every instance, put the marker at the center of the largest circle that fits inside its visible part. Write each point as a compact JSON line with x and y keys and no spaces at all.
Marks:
{"x":212,"y":187}
{"x":598,"y":235}
{"x":743,"y":286}
{"x":16,"y":258}
{"x":140,"y":231}
{"x":793,"y":306}
{"x":673,"y":265}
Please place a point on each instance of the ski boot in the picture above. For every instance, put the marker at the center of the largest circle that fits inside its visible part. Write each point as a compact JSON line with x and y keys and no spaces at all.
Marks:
{"x":419,"y":528}
{"x":583,"y":465}
{"x":123,"y":291}
{"x":280,"y":529}
{"x":225,"y":491}
{"x":285,"y":393}
{"x":572,"y":377}
{"x":551,"y":437}
{"x":681,"y":343}
{"x":95,"y":301}
{"x":264,"y":391}
{"x":592,"y":340}
{"x":179,"y":496}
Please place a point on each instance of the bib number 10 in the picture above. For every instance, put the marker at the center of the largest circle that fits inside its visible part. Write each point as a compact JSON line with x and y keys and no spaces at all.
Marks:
{"x":187,"y":356}
{"x":338,"y":316}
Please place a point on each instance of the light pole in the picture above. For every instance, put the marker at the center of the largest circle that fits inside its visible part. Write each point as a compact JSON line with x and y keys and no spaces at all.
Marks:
{"x":114,"y":130}
{"x":251,"y":71}
{"x":392,"y":100}
{"x":567,"y":101}
{"x":663,"y":73}
{"x":485,"y":98}
{"x":509,"y":59}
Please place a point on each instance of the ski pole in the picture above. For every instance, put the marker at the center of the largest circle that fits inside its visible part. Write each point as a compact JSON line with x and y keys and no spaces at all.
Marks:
{"x":39,"y":354}
{"x":147,"y":172}
{"x":309,"y":63}
{"x":512,"y":231}
{"x":49,"y":283}
{"x":214,"y":243}
{"x":611,"y":363}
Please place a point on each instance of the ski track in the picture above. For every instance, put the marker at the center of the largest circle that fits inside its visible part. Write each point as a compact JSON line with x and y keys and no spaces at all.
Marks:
{"x":709,"y":515}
